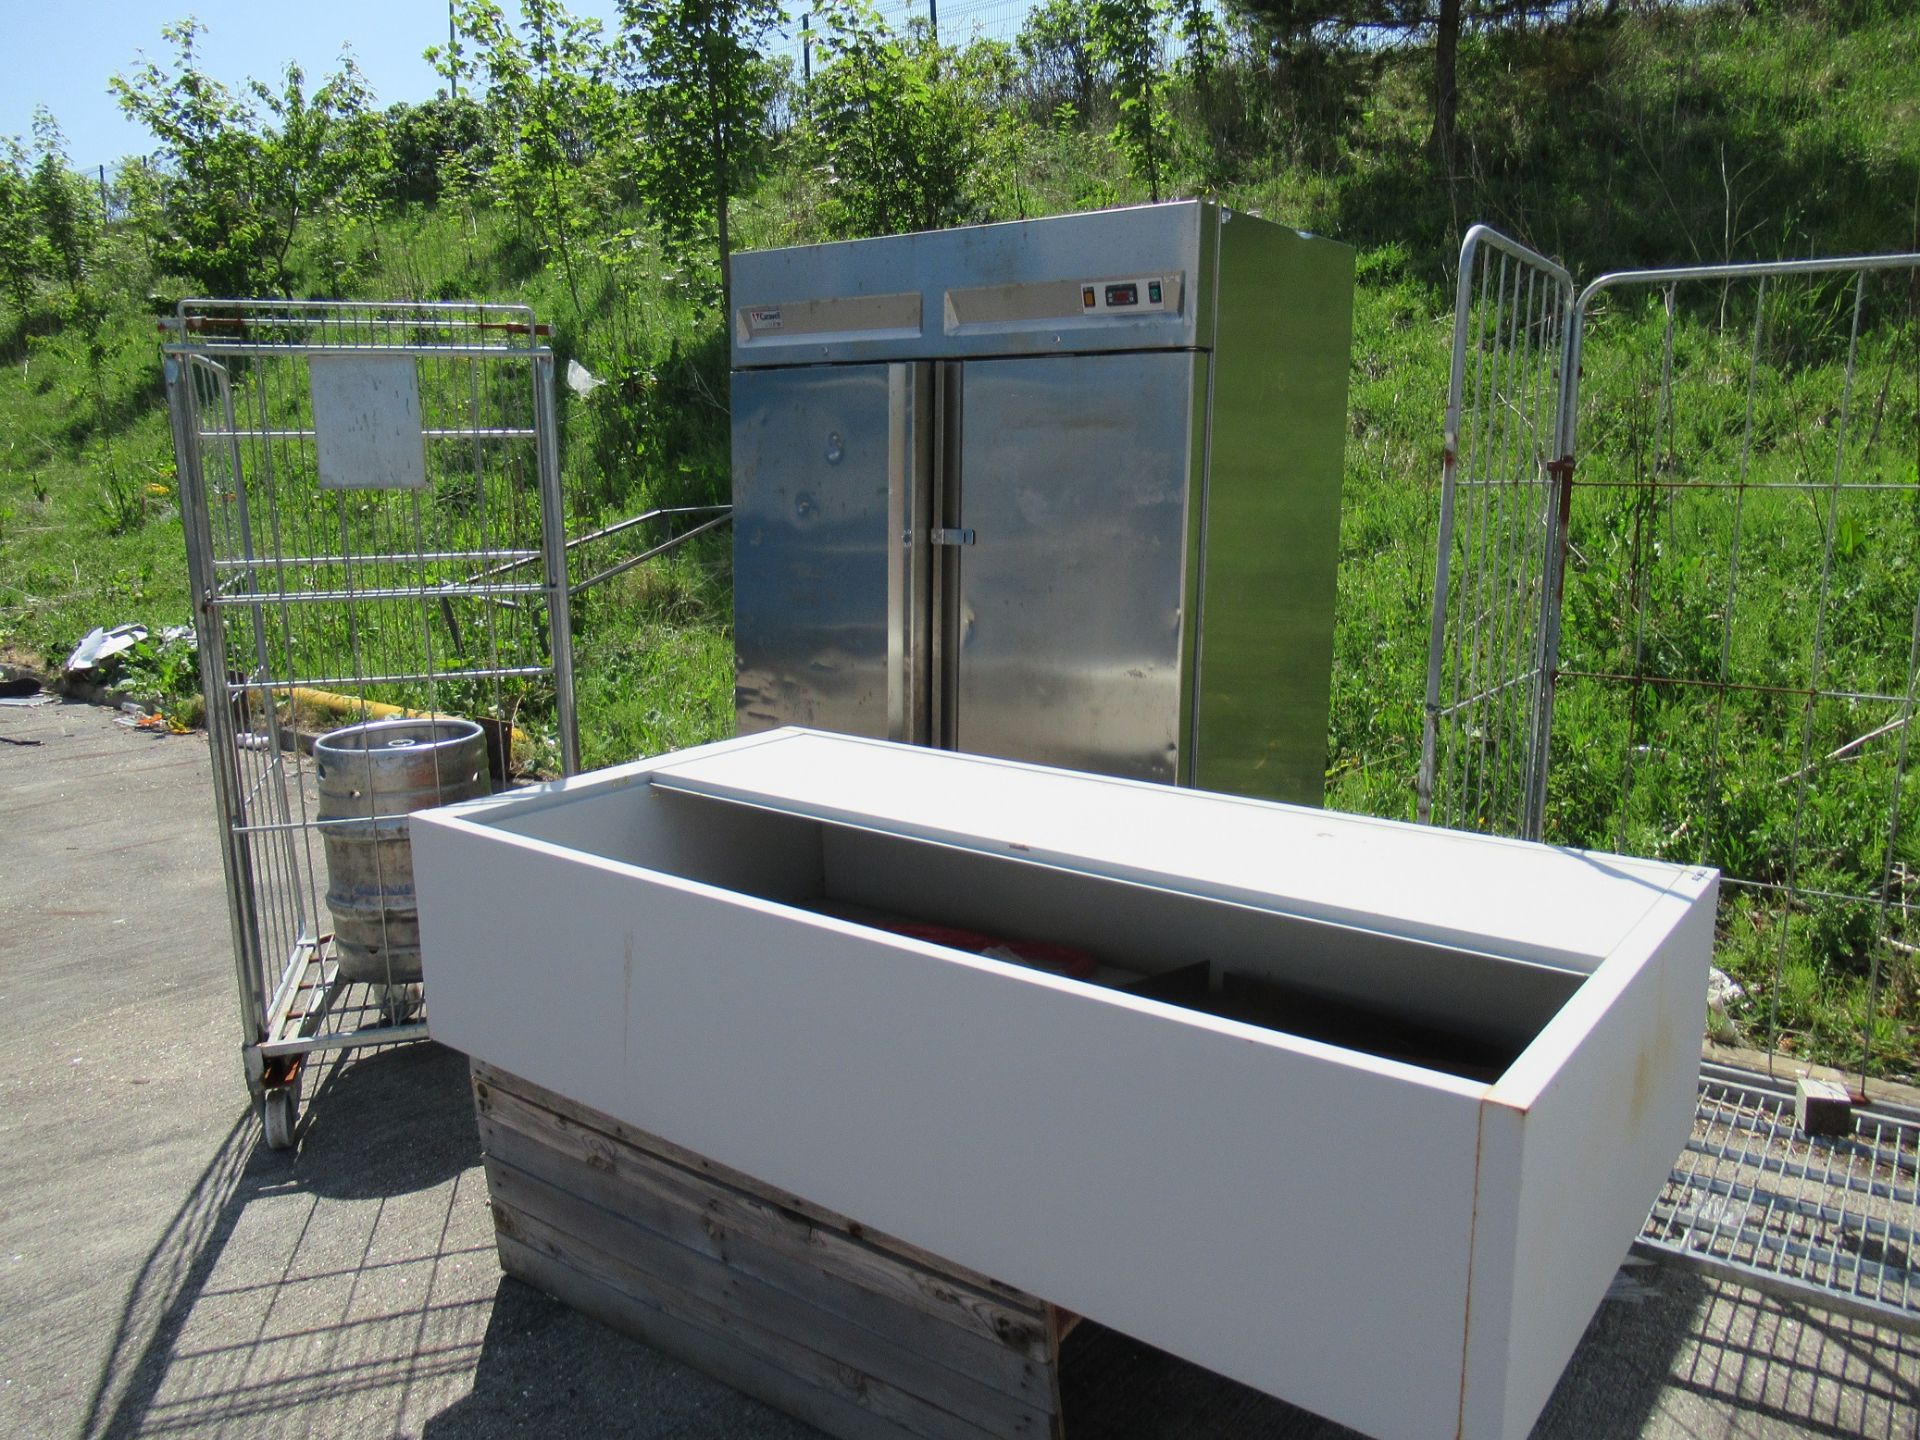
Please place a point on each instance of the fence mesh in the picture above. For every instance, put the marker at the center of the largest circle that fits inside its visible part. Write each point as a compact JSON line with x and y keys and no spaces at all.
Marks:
{"x":1686,"y":623}
{"x":1741,"y":627}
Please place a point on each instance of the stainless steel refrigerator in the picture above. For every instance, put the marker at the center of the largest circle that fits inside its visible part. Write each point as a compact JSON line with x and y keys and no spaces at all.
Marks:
{"x":1061,"y":490}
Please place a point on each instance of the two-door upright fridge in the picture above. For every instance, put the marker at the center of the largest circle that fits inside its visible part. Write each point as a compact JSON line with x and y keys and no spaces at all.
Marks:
{"x":1061,"y":490}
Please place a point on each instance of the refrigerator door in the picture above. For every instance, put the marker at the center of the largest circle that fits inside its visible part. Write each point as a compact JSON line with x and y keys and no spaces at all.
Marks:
{"x":1074,"y":483}
{"x":828,"y":467}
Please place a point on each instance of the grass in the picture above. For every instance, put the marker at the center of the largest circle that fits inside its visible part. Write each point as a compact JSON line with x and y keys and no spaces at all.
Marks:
{"x":658,"y":675}
{"x":1737,"y":658}
{"x":1726,"y":136}
{"x":89,"y":521}
{"x":1783,"y":562}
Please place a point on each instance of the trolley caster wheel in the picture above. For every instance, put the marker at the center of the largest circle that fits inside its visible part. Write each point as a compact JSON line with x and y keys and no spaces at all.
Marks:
{"x":279,"y":1108}
{"x":399,"y":1004}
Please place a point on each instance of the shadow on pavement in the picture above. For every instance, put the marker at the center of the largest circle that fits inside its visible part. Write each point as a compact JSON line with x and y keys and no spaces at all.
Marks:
{"x":352,"y":1287}
{"x":387,"y":1123}
{"x":290,"y":1280}
{"x":1796,"y":1370}
{"x":547,"y":1370}
{"x":174,"y":1272}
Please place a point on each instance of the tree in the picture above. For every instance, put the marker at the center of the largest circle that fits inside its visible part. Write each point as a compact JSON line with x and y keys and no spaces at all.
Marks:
{"x":326,"y":157}
{"x":17,"y":237}
{"x":703,"y":90}
{"x":139,"y":192}
{"x":1126,"y":35}
{"x":207,"y":222}
{"x":1203,"y":45}
{"x":893,"y":130}
{"x":552,"y":114}
{"x":1297,"y":22}
{"x":1201,"y":63}
{"x":234,"y":188}
{"x":435,"y":145}
{"x":64,"y":220}
{"x":1446,"y":81}
{"x":1059,"y":56}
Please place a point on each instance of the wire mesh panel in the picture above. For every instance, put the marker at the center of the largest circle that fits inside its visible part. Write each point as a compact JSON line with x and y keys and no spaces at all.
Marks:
{"x":1834,"y":1218}
{"x":371,"y":500}
{"x":1739,"y":640}
{"x":1703,"y":643}
{"x":1483,"y":746}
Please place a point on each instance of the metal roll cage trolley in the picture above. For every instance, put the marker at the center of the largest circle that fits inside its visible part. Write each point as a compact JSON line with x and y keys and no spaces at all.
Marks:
{"x":375,"y":528}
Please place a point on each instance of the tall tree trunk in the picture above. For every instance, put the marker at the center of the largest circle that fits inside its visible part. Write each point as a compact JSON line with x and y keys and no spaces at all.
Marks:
{"x":720,"y":219}
{"x":722,"y":178}
{"x":1153,"y":144}
{"x":1446,"y":94}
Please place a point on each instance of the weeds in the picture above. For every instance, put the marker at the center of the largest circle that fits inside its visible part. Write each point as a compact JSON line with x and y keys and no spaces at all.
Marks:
{"x":164,"y":671}
{"x":1722,"y":135}
{"x":122,"y":504}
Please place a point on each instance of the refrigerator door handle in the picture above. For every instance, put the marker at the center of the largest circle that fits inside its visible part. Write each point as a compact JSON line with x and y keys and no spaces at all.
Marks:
{"x":909,"y":564}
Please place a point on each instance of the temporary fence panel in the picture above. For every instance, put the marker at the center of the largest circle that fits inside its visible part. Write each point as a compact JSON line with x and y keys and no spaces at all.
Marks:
{"x":1484,"y":741}
{"x":372,"y":507}
{"x":1740,"y":636}
{"x":1680,"y":616}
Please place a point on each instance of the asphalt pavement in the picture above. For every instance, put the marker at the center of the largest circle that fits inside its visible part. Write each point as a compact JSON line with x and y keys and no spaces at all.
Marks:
{"x":162,"y":1272}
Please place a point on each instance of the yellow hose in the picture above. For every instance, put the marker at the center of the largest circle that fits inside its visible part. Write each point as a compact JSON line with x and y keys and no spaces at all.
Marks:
{"x":344,"y":707}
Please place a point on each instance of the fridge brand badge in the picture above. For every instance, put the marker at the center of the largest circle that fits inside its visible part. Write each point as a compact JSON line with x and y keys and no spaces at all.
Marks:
{"x":767,"y":319}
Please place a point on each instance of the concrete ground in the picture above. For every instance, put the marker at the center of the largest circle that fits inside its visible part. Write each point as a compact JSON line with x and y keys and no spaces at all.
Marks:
{"x":163,"y":1273}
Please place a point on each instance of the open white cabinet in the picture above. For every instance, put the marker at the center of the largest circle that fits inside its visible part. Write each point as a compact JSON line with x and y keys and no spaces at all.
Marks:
{"x":1361,"y":1113}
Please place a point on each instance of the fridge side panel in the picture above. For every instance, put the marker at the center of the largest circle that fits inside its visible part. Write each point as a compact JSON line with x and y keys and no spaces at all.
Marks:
{"x":811,"y":452}
{"x":1193,"y":563}
{"x":1283,"y":337}
{"x":1074,"y":491}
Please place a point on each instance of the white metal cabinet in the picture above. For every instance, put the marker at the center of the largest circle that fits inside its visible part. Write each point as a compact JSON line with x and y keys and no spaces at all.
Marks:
{"x":1410,"y":1248}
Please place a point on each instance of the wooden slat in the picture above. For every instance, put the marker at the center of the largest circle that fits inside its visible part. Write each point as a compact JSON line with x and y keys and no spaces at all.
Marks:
{"x":487,"y":1077}
{"x":905,"y":1414}
{"x":908,"y":1413}
{"x":713,"y":1353}
{"x":539,"y":1213}
{"x":795,"y":1267}
{"x":868,"y":1338}
{"x":681,"y":1203}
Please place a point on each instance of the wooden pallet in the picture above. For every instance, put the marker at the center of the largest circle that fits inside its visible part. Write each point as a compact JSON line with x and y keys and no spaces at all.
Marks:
{"x":861,"y":1335}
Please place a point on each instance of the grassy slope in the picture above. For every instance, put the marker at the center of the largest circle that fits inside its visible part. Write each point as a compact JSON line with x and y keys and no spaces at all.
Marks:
{"x":88,"y":529}
{"x":1696,"y":134}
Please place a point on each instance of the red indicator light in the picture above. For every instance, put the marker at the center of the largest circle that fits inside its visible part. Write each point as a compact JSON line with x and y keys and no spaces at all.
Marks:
{"x":1123,"y":295}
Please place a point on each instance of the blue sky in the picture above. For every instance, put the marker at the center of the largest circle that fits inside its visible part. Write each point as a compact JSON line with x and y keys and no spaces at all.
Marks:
{"x":60,"y":55}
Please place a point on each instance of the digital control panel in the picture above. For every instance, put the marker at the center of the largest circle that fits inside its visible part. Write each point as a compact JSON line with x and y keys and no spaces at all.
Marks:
{"x":1133,"y":295}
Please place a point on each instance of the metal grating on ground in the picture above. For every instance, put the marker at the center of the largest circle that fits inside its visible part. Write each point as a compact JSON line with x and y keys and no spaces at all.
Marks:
{"x":1826,"y":1221}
